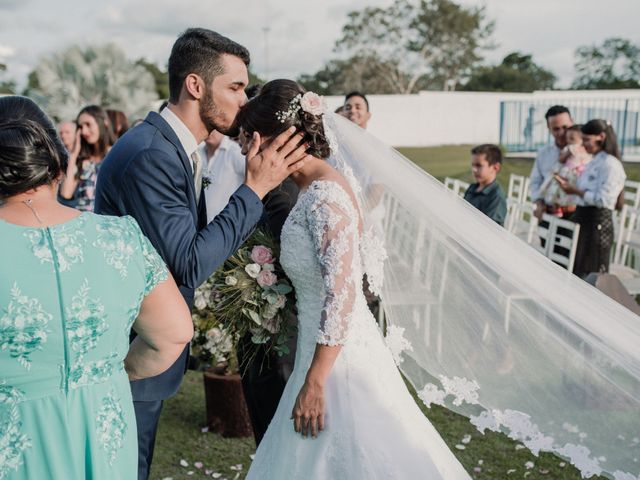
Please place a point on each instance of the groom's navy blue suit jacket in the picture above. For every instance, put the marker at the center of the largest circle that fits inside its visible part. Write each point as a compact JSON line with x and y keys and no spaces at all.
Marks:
{"x":147,"y":175}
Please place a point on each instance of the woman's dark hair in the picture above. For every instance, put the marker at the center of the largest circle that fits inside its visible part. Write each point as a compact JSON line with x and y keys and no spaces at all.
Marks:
{"x":198,"y":51}
{"x":259,"y":115}
{"x":610,"y":143}
{"x":577,"y":127}
{"x":31,"y":153}
{"x":105,"y":139}
{"x":119,"y":122}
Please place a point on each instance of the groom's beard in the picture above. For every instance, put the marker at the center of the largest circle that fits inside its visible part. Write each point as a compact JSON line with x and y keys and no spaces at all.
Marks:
{"x":209,"y":112}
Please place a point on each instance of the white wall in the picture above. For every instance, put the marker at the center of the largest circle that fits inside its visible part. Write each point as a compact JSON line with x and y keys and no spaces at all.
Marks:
{"x":441,"y":118}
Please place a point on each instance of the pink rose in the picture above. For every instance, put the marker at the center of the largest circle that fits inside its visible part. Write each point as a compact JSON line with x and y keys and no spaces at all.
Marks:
{"x":266,"y":278}
{"x":312,"y":103}
{"x":262,"y":255}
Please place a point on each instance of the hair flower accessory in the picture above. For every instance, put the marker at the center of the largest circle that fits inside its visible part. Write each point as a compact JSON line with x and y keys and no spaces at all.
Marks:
{"x":294,"y":106}
{"x":312,"y":103}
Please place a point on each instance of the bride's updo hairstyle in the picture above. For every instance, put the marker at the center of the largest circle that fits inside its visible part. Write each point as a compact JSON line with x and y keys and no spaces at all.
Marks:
{"x":263,"y":114}
{"x":31,"y":153}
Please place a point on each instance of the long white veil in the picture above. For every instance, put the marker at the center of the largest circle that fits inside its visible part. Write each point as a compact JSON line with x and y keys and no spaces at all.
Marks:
{"x":494,"y":329}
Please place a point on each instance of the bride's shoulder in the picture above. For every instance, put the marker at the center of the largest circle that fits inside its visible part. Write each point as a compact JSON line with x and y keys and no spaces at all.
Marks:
{"x":333,"y":189}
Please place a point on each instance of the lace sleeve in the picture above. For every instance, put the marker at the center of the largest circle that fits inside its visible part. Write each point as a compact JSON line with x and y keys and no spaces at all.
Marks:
{"x":334,"y":234}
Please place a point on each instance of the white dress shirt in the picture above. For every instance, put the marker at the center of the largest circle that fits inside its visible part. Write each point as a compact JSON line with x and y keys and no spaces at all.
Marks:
{"x":546,"y":161}
{"x":602,"y":181}
{"x":224,"y":173}
{"x":187,"y":140}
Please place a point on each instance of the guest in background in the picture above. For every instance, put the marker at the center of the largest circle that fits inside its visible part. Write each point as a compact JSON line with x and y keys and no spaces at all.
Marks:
{"x":93,"y":140}
{"x":572,"y":162}
{"x":222,"y":173}
{"x":558,"y":121}
{"x":598,"y":189}
{"x":118,"y":121}
{"x":356,"y":109}
{"x":486,"y":194}
{"x":72,"y":285}
{"x":67,"y":132}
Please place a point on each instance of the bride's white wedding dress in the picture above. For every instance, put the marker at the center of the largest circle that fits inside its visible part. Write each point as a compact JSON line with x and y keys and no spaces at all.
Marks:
{"x":373,"y":428}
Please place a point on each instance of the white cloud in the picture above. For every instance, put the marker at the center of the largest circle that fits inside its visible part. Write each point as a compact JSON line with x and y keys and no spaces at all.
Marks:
{"x":6,"y":52}
{"x":301,"y":33}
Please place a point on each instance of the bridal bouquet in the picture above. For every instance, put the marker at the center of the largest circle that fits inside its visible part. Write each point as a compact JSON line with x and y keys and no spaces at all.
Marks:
{"x":248,"y":295}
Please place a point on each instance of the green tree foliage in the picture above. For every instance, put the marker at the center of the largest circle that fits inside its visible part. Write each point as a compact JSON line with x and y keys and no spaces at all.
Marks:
{"x":612,"y":65}
{"x":367,"y":74}
{"x":66,"y":81}
{"x":433,"y":43}
{"x":6,"y":86}
{"x":516,"y":73}
{"x":160,"y":77}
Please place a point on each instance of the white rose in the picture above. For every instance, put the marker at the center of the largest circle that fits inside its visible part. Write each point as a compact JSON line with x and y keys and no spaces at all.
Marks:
{"x":253,"y":269}
{"x":231,"y":280}
{"x":200,"y":302}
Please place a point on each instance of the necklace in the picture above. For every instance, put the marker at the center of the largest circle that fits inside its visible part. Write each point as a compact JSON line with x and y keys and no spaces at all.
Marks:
{"x":29,"y":203}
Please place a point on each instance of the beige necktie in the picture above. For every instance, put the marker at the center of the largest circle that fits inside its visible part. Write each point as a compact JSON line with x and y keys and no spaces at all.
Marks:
{"x":197,"y":174}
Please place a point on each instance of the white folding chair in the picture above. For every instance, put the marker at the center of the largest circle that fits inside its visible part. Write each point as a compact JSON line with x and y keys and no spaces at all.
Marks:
{"x":632,"y":193}
{"x":461,"y":187}
{"x":449,"y":183}
{"x":522,"y":222}
{"x":417,"y":286}
{"x":457,"y":186}
{"x":518,"y":186}
{"x":627,"y":247}
{"x":568,"y":243}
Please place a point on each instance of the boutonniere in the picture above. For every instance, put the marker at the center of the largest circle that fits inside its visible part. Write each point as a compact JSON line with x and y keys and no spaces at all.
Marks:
{"x":206,"y":181}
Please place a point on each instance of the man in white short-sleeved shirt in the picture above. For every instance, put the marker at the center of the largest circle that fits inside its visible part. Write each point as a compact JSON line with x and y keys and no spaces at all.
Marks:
{"x":558,"y":120}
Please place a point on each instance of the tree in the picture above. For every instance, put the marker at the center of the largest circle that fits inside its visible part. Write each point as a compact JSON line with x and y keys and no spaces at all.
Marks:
{"x":160,"y":77}
{"x":516,"y":73}
{"x":67,"y":81}
{"x":614,"y":64}
{"x":431,"y":42}
{"x":367,"y":74}
{"x":6,"y":86}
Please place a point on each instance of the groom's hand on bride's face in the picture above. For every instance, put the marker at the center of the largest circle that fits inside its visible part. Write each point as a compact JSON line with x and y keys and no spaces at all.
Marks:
{"x":269,"y":163}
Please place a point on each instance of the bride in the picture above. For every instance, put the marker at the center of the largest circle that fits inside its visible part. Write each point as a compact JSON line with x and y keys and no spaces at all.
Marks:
{"x":345,"y":392}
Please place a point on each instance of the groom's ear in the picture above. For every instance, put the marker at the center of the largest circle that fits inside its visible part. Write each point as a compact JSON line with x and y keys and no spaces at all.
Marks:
{"x":194,"y":86}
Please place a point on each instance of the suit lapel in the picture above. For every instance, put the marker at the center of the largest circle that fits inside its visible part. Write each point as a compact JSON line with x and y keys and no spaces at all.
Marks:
{"x":167,"y":132}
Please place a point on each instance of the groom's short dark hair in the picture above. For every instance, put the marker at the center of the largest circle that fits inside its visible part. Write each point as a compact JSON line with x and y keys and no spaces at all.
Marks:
{"x":198,"y":51}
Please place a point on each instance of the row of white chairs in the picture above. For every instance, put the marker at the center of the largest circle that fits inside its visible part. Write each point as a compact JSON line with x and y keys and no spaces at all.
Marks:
{"x":521,"y":221}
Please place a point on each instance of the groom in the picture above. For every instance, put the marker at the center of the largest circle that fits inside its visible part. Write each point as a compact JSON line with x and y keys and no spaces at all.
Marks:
{"x":154,"y":174}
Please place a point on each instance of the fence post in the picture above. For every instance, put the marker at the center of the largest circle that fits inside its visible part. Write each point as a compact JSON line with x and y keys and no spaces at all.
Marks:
{"x":624,"y":127}
{"x":502,"y":109}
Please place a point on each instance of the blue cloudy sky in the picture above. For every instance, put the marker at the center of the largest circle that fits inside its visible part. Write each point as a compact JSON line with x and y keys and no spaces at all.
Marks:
{"x":301,"y":33}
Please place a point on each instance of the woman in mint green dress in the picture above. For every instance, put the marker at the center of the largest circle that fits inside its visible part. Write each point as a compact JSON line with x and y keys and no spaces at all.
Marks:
{"x":72,"y":285}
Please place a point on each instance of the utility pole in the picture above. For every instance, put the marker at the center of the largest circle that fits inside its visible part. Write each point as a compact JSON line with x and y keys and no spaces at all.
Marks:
{"x":266,"y":52}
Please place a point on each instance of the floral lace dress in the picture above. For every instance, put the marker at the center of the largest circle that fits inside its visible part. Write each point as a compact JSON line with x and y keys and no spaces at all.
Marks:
{"x":373,"y":427}
{"x":69,"y":294}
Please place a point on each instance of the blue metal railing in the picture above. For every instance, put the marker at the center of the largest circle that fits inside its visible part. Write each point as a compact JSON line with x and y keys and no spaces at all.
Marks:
{"x":523,"y":127}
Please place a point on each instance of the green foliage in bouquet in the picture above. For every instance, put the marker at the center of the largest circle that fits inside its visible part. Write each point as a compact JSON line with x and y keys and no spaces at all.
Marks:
{"x":248,"y":296}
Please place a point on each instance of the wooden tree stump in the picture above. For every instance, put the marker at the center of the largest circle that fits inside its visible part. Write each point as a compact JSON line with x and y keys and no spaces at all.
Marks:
{"x":227,"y":412}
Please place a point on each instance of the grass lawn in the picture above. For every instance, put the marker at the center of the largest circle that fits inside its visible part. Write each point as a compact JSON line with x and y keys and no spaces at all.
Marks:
{"x":487,"y":457}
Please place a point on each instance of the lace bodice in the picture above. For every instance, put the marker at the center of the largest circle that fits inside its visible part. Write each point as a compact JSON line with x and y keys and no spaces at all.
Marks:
{"x":324,"y":254}
{"x":320,"y":254}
